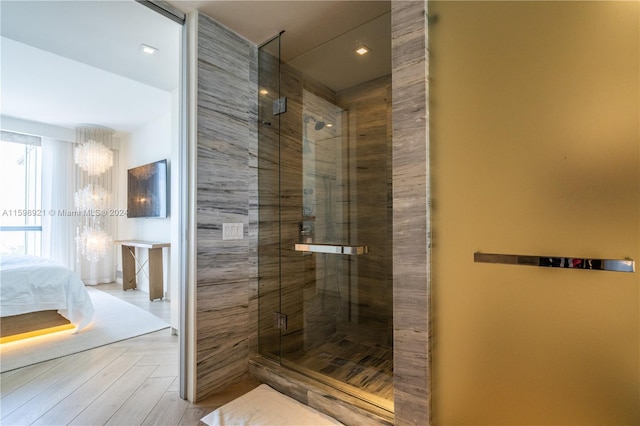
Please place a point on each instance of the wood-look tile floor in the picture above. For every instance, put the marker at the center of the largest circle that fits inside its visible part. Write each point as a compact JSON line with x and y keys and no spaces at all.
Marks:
{"x":131,"y":382}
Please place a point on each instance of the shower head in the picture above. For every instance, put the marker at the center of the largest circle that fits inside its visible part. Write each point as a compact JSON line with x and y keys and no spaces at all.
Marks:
{"x":319,"y":124}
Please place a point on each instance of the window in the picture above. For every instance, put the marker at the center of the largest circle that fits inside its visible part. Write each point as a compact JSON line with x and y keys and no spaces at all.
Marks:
{"x":20,"y":194}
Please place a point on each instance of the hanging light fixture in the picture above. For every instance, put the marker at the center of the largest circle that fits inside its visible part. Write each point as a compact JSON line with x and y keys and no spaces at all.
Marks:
{"x":93,"y":243}
{"x":92,"y":198}
{"x":93,"y":157}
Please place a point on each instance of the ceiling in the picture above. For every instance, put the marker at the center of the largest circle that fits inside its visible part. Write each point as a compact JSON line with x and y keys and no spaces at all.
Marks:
{"x":306,"y":23}
{"x":67,"y":63}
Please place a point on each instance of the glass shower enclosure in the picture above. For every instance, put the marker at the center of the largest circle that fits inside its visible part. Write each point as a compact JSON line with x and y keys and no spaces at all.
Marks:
{"x":325,"y":211}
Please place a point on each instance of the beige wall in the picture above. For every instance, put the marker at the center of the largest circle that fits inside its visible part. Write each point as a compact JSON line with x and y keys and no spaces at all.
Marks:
{"x":535,"y":150}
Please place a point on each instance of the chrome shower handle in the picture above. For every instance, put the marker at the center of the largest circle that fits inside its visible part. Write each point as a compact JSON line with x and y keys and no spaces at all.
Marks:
{"x":332,"y":249}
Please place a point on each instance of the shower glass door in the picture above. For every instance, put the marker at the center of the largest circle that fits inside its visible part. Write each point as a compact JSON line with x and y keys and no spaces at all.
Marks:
{"x":325,"y":254}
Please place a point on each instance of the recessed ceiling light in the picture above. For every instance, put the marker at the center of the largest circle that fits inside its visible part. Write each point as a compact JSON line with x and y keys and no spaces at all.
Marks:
{"x":148,"y":49}
{"x":264,"y":92}
{"x":329,"y":125}
{"x":362,"y":50}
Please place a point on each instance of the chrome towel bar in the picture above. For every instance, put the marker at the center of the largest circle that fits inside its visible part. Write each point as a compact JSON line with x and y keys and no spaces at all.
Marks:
{"x":617,"y":265}
{"x":332,"y":249}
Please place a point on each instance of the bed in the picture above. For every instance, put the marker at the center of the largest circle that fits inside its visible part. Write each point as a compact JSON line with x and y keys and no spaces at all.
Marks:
{"x":38,"y":294}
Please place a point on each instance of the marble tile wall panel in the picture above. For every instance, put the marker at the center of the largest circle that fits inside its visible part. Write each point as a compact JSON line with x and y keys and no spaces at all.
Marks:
{"x":411,"y":233}
{"x":322,"y":203}
{"x":226,"y":188}
{"x":253,"y":208}
{"x":370,"y":219}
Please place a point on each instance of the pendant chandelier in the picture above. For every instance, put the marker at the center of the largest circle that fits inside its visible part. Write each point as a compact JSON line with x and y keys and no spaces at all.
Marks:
{"x":92,"y":197}
{"x":94,"y":158}
{"x":93,"y":243}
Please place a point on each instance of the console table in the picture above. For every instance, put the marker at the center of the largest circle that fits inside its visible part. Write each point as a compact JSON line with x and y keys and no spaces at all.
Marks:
{"x":131,"y":265}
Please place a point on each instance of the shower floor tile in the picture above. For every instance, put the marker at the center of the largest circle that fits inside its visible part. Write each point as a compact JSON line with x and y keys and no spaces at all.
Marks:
{"x":365,"y":366}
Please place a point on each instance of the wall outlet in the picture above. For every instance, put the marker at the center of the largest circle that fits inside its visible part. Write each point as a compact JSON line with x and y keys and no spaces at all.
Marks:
{"x":232,"y":231}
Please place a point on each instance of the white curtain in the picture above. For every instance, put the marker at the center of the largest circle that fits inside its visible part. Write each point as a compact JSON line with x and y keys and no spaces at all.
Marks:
{"x":58,"y":186}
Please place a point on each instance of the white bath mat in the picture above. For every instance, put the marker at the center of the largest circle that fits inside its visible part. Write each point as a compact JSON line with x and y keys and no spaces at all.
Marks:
{"x":264,"y":406}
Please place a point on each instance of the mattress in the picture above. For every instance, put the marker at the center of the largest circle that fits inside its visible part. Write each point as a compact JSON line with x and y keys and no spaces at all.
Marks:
{"x":30,"y":284}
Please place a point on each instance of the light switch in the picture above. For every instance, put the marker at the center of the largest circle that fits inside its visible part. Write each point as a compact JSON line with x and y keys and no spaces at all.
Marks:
{"x":232,"y":231}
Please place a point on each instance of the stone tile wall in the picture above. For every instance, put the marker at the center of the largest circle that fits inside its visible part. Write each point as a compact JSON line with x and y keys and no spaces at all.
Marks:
{"x":226,"y":189}
{"x":411,"y":226}
{"x":227,"y":176}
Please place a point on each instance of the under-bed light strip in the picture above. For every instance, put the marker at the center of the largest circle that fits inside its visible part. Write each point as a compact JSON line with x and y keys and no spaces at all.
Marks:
{"x":35,"y":333}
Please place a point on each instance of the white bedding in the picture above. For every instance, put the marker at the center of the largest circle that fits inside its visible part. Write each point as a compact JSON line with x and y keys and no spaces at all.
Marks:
{"x":31,"y":284}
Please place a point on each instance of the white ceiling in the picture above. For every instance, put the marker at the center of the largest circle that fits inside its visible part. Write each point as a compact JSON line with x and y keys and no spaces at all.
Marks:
{"x":67,"y":63}
{"x":40,"y":86}
{"x":306,"y":23}
{"x":104,"y":34}
{"x":320,"y":36}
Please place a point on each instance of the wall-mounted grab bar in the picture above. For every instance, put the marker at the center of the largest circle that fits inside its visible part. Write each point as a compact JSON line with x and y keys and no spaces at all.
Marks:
{"x":332,"y":249}
{"x":618,"y":265}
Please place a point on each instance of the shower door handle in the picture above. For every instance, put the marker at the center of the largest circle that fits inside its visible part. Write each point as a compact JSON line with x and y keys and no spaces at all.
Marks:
{"x":332,"y":249}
